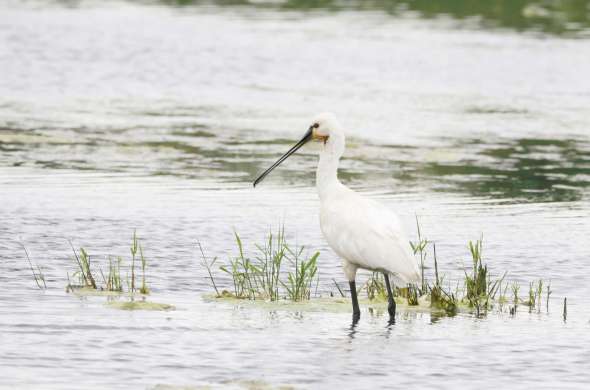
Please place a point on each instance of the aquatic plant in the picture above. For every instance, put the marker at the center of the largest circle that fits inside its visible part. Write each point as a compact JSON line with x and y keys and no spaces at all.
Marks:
{"x":549,"y":292}
{"x":532,"y":296}
{"x":503,"y":297}
{"x":412,"y":295}
{"x":133,"y":249}
{"x":252,"y":281}
{"x":480,"y":289}
{"x":208,"y":266}
{"x":84,"y":272}
{"x":535,"y":295}
{"x":515,"y":288}
{"x":439,"y":298}
{"x":260,"y":277}
{"x":112,"y":282}
{"x":375,"y":287}
{"x":267,"y":269}
{"x":37,"y":273}
{"x":299,"y":281}
{"x":420,"y":248}
{"x":143,"y":289}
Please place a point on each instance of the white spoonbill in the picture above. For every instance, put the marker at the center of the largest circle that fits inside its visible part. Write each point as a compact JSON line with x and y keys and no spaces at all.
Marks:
{"x":362,"y":232}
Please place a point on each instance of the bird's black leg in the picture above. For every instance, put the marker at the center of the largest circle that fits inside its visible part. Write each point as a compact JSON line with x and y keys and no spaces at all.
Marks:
{"x":356,"y":312}
{"x":391,"y":306}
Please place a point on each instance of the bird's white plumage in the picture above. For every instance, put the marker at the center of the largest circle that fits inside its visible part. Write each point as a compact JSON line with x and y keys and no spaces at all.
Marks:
{"x":364,"y":233}
{"x":367,"y":235}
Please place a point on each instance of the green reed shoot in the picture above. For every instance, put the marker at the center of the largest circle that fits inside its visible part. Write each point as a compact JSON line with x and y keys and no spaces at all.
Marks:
{"x":480,"y":289}
{"x":299,"y":282}
{"x":375,"y":287}
{"x":241,"y":272}
{"x":413,"y":296}
{"x":549,"y":292}
{"x":439,"y":298}
{"x":134,"y":248}
{"x":84,"y":272}
{"x":539,"y":293}
{"x":420,"y":247}
{"x":269,"y":260}
{"x":113,"y":280}
{"x":144,"y":289}
{"x":37,"y":273}
{"x":208,"y":266}
{"x":515,"y":289}
{"x":532,"y":296}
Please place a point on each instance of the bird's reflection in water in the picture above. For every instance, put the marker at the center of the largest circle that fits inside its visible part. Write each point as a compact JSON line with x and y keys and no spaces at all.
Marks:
{"x":435,"y":317}
{"x":352,"y":329}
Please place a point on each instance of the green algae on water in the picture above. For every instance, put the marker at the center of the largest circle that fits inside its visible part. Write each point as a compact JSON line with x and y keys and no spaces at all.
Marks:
{"x":140,"y":305}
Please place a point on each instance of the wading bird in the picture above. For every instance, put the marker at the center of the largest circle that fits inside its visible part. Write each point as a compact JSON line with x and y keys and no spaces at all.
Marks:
{"x":362,"y":232}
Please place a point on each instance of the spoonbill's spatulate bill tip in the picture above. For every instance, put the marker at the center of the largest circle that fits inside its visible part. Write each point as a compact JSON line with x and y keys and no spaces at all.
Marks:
{"x":362,"y":232}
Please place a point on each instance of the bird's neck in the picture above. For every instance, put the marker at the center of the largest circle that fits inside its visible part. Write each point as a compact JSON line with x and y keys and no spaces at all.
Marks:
{"x":327,"y":172}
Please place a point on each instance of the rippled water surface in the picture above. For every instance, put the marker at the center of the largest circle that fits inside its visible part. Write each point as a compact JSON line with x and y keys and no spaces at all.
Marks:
{"x":157,"y":116}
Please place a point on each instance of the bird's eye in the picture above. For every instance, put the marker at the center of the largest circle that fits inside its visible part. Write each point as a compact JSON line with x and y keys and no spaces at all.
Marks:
{"x":316,"y":125}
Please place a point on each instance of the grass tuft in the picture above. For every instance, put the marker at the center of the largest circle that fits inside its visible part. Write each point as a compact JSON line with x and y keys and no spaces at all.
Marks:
{"x":479,"y":286}
{"x":262,"y":276}
{"x":113,"y":281}
{"x":299,"y":281}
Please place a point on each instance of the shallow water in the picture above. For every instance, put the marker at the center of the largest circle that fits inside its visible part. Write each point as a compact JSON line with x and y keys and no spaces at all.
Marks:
{"x":157,"y":116}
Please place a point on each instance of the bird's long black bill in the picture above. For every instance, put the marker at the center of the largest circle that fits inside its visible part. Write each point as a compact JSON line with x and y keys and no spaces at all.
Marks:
{"x":306,"y":138}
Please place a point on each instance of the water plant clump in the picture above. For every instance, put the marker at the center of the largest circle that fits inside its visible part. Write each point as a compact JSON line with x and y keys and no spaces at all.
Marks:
{"x":84,"y":271}
{"x":113,"y":280}
{"x":299,"y":282}
{"x":439,"y":297}
{"x":375,"y":287}
{"x":277,"y":271}
{"x":262,"y":276}
{"x":85,"y":274}
{"x":478,"y":291}
{"x":480,"y":288}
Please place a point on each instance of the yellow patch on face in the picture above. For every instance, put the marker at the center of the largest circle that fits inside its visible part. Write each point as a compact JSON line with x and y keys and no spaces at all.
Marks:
{"x":319,"y":137}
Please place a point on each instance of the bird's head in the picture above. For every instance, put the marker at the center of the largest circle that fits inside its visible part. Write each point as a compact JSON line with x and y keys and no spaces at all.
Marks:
{"x":324,"y":128}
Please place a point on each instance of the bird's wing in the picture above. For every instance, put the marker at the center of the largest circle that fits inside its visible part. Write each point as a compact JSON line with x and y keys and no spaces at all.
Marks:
{"x":369,"y":235}
{"x":392,"y":245}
